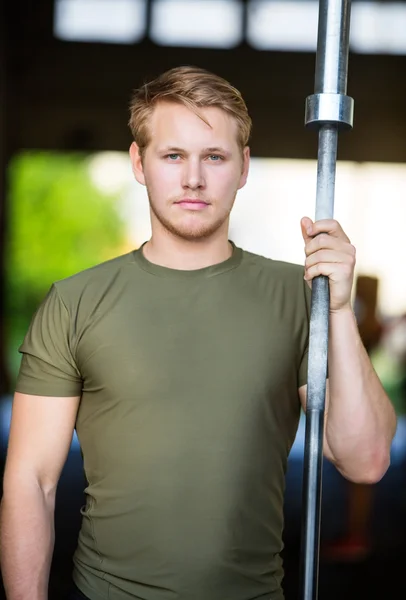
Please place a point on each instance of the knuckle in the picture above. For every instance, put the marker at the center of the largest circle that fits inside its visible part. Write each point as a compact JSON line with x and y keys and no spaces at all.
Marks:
{"x":351,"y":260}
{"x":347,"y":269}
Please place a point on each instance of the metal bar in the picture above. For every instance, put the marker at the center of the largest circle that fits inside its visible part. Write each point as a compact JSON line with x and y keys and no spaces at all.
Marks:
{"x":326,"y":172}
{"x":332,"y":47}
{"x":328,"y":109}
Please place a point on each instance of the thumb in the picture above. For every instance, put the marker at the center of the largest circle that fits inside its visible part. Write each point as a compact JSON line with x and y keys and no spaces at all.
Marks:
{"x":306,"y":226}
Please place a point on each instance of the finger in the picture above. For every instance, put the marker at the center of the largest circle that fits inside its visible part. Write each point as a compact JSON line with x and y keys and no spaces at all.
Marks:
{"x":326,"y":241}
{"x":306,"y":225}
{"x":334,"y":271}
{"x":326,"y":256}
{"x":330,"y":226}
{"x":326,"y":269}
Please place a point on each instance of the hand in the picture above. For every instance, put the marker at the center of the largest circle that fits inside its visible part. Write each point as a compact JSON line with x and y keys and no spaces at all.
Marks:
{"x":332,"y":254}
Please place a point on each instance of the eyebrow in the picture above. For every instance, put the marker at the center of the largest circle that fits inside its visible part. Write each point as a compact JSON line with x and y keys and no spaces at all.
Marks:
{"x":211,"y":150}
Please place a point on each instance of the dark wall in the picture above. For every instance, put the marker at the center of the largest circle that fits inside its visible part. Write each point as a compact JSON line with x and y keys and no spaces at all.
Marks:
{"x":71,"y":95}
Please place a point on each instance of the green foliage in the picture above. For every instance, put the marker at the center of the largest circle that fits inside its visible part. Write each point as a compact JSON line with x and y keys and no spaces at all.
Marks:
{"x":59,"y":223}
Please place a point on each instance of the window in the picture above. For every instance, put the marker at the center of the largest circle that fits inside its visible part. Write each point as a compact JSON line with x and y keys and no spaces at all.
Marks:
{"x":291,"y":25}
{"x":283,"y":25}
{"x":199,"y":23}
{"x":110,"y":21}
{"x":378,"y":27}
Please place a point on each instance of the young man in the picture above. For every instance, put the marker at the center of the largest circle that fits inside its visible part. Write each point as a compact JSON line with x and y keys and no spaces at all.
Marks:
{"x":182,"y":365}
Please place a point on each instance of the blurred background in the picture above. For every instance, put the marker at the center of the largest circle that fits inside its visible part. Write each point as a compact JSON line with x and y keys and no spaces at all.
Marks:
{"x":68,"y":201}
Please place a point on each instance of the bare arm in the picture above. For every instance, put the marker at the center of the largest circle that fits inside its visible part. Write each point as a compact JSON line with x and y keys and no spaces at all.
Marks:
{"x":40,"y":437}
{"x":360,"y":420}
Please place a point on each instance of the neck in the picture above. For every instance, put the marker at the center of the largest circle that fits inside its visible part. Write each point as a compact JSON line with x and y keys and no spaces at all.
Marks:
{"x":175,"y":253}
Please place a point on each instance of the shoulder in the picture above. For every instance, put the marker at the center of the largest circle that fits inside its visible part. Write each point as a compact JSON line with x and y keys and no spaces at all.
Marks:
{"x":94,"y":280}
{"x":273,"y":268}
{"x":280,"y":283}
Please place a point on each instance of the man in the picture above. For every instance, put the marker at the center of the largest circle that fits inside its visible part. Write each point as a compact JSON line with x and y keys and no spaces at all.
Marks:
{"x":182,"y":365}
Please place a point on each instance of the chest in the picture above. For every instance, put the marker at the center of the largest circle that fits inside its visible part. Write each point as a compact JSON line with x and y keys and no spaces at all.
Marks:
{"x":144,"y":346}
{"x":204,"y":369}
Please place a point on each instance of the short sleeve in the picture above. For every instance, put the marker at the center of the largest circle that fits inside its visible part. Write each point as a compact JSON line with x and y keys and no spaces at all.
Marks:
{"x":48,"y":367}
{"x":302,"y":374}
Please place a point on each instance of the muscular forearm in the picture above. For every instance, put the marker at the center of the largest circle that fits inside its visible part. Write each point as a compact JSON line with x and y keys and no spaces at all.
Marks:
{"x":27,"y":540}
{"x":361,"y":421}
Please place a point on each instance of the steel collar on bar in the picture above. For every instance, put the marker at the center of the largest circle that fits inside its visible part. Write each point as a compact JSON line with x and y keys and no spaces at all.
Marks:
{"x":322,"y":109}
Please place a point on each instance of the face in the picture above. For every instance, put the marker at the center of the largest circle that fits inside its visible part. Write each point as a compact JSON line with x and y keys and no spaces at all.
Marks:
{"x":192,"y":171}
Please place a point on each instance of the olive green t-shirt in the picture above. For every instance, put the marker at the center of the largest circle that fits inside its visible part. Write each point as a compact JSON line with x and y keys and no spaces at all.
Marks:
{"x":189,"y":407}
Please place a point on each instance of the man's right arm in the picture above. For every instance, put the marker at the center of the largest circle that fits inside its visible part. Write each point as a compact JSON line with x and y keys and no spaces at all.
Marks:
{"x":40,"y":437}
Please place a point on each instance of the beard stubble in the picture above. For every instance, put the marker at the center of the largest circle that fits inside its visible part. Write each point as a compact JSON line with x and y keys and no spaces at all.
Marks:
{"x":199,"y":231}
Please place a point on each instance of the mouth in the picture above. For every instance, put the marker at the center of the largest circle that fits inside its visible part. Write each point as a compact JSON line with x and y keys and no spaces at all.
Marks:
{"x":192,"y":203}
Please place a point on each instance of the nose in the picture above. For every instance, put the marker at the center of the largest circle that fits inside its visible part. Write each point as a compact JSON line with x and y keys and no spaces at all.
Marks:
{"x":193,"y":175}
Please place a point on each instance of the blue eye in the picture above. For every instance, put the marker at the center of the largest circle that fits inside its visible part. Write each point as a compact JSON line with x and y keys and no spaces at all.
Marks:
{"x":216,"y":157}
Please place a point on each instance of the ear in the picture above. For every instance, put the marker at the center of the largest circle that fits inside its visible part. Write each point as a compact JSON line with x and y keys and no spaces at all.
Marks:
{"x":245,"y":167}
{"x":136,"y":163}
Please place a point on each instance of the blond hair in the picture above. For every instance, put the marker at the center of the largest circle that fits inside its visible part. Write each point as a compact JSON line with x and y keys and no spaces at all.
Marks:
{"x":193,"y":87}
